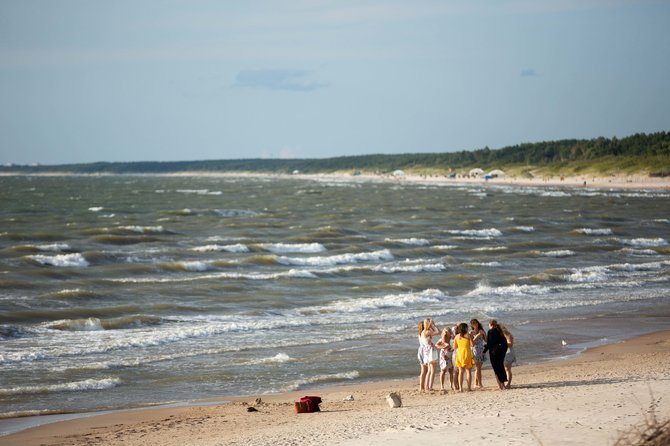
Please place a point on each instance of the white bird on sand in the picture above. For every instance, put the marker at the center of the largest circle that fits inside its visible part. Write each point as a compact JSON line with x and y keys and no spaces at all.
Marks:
{"x":563,"y":342}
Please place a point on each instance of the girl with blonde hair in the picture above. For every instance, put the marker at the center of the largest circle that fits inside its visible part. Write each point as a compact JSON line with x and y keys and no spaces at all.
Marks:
{"x":430,"y":352}
{"x":446,"y":364}
{"x":424,"y":367}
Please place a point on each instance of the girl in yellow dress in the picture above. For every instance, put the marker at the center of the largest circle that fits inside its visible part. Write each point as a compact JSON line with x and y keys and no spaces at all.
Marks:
{"x":465,"y":360}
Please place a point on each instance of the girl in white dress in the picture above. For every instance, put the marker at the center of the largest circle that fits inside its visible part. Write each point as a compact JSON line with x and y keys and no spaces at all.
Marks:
{"x":446,"y":364}
{"x":430,"y":352}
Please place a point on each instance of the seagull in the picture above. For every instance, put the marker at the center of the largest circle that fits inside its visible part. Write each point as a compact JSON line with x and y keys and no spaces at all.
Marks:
{"x":563,"y":342}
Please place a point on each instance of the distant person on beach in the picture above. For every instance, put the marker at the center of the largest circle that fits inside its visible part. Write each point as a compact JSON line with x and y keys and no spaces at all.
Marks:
{"x":510,"y":356}
{"x":465,"y":360}
{"x":446,"y":364}
{"x":478,"y":343}
{"x":496,"y":345}
{"x":424,"y":367}
{"x":430,"y":352}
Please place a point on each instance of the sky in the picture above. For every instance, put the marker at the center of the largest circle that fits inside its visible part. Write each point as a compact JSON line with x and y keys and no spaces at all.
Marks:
{"x":166,"y":80}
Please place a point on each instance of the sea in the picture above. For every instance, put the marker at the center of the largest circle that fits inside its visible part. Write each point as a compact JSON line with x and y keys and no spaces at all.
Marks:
{"x":130,"y":291}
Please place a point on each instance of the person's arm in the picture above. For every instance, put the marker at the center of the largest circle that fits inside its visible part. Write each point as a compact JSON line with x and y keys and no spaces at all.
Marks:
{"x":489,"y":342}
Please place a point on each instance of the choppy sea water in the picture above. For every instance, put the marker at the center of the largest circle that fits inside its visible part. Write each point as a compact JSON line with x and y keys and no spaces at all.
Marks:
{"x":129,"y":290}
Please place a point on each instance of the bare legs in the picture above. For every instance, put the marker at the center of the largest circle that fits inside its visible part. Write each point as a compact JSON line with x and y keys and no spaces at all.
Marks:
{"x":508,"y":369}
{"x":443,"y":373}
{"x":430,"y":377}
{"x":468,"y":377}
{"x":422,"y":377}
{"x":478,"y":375}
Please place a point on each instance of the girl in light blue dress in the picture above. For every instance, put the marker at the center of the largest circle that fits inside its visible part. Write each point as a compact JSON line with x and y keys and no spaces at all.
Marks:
{"x":478,"y":343}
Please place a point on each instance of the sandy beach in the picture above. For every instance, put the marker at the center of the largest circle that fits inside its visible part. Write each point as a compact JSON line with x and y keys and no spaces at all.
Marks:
{"x":588,"y":399}
{"x":619,"y":181}
{"x":588,"y":181}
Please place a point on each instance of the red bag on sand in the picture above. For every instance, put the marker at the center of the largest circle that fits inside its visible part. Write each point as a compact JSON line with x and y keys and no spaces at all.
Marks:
{"x":300,"y":407}
{"x":312,"y":403}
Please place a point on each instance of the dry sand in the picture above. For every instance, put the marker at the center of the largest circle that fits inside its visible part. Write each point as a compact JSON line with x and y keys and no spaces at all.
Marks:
{"x":608,"y":182}
{"x":585,"y":400}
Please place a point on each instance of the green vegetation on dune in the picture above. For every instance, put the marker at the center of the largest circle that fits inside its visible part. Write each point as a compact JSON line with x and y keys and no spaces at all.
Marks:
{"x":639,"y":154}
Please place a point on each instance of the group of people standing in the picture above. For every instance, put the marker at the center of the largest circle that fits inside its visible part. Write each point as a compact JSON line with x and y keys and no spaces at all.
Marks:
{"x":460,"y":349}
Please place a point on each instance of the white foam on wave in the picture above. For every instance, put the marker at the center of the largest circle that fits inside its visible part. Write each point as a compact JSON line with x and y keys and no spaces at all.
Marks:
{"x":491,"y":232}
{"x":639,"y":252}
{"x":283,"y":248}
{"x":199,"y":191}
{"x":296,"y":385}
{"x":89,"y":324}
{"x":374,"y":303}
{"x":54,"y":247}
{"x":75,"y":386}
{"x":485,"y":264}
{"x":444,"y":247}
{"x":95,"y":208}
{"x":594,"y":231}
{"x":237,"y":248}
{"x":508,"y":290}
{"x":491,"y":248}
{"x":646,"y":242}
{"x":409,"y":266}
{"x":143,"y":229}
{"x":525,"y":228}
{"x":279,"y":358}
{"x":607,"y":272}
{"x":193,"y":266}
{"x":592,"y":274}
{"x":291,"y":274}
{"x":555,"y":193}
{"x":62,"y":260}
{"x":235,"y":213}
{"x":558,"y":253}
{"x":409,"y":241}
{"x":336,"y":259}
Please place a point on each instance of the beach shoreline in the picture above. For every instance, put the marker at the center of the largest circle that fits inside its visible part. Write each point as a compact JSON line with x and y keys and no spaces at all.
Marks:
{"x":556,"y":402}
{"x":579,"y":181}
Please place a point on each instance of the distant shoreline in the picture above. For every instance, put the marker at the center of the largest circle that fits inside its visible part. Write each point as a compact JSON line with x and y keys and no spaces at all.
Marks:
{"x":581,"y":181}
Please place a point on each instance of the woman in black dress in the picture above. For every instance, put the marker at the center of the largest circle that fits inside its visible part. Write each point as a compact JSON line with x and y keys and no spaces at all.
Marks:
{"x":496,"y":345}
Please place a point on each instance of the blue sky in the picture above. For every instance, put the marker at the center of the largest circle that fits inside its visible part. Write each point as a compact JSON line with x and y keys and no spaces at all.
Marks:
{"x":134,"y":80}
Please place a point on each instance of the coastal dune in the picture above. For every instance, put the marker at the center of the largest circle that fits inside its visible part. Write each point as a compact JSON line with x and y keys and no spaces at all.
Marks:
{"x":589,"y":399}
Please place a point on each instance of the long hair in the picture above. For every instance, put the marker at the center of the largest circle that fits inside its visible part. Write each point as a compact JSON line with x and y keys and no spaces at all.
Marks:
{"x":494,"y":323}
{"x":420,"y":328}
{"x":462,"y":329}
{"x":445,"y":332}
{"x":479,"y":325}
